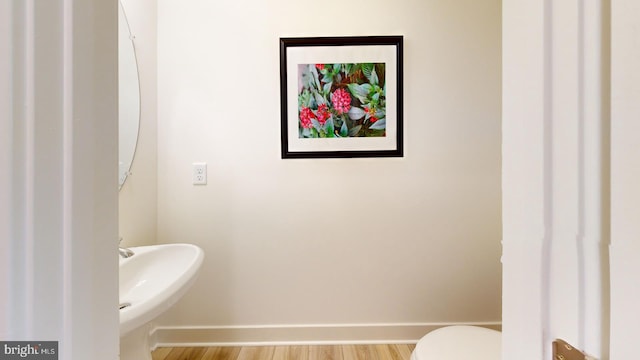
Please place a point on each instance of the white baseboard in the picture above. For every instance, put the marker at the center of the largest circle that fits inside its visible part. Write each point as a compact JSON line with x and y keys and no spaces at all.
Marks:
{"x":166,"y":336}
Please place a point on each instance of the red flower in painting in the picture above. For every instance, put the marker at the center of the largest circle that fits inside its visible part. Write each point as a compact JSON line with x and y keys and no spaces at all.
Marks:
{"x":323,"y":114}
{"x":341,"y":101}
{"x":320,"y":66}
{"x":305,"y":117}
{"x":371,"y":112}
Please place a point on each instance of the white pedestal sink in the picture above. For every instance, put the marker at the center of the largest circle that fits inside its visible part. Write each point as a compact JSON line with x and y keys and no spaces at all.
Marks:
{"x":151,"y":281}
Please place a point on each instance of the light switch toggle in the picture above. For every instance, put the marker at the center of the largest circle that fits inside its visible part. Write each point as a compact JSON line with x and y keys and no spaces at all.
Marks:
{"x":200,"y":173}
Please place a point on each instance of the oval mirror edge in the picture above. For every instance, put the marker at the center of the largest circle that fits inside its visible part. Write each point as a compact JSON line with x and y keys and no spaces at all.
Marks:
{"x":129,"y":95}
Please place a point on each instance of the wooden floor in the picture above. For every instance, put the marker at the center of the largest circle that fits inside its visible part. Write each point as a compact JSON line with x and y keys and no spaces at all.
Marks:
{"x":303,"y":352}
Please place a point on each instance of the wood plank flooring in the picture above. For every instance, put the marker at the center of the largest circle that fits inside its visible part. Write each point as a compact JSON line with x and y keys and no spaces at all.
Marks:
{"x":301,"y":352}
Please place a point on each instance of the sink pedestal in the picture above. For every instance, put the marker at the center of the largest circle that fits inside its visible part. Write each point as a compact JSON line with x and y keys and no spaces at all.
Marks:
{"x":135,"y":345}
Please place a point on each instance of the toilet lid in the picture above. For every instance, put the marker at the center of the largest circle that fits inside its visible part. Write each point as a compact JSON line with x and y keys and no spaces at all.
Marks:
{"x":459,"y":343}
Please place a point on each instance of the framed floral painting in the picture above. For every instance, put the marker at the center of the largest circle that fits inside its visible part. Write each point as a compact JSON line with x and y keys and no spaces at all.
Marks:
{"x":341,"y":97}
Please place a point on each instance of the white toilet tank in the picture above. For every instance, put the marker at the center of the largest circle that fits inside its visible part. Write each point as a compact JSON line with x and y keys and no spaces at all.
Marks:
{"x":459,"y":343}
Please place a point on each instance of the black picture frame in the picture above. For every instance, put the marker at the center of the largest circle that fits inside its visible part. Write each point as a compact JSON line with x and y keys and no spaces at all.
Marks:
{"x":298,"y":56}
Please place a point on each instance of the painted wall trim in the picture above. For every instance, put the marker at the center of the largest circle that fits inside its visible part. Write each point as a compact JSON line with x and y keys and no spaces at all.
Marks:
{"x":401,"y":333}
{"x":59,"y":203}
{"x":625,"y":177}
{"x":555,"y":156}
{"x":6,"y":155}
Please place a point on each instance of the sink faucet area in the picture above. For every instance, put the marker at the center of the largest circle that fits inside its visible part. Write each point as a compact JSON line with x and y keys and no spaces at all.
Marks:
{"x":151,"y":280}
{"x":124,"y":252}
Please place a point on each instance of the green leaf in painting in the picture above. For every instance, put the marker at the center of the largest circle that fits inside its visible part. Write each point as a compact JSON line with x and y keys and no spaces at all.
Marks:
{"x":304,"y":99}
{"x":344,"y":130}
{"x":329,"y":128}
{"x":347,"y":69}
{"x":355,"y":130}
{"x":307,"y":79}
{"x":379,"y":125}
{"x":314,"y":72}
{"x":356,"y":113}
{"x":359,"y":91}
{"x":366,"y":70}
{"x":328,"y":77}
{"x":327,"y":87}
{"x":319,"y":99}
{"x":374,"y":77}
{"x":316,"y":124}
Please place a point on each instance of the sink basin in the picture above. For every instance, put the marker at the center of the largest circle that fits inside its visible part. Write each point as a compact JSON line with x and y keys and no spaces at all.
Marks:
{"x":154,"y":279}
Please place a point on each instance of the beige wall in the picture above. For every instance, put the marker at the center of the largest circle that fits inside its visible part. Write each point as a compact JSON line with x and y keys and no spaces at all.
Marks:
{"x":414,"y":240}
{"x":138,"y":196}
